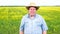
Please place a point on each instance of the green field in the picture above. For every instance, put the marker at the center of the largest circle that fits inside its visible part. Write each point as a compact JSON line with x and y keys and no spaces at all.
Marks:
{"x":10,"y":18}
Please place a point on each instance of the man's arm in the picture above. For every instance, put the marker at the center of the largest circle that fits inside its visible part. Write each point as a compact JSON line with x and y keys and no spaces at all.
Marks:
{"x":44,"y":27}
{"x":44,"y":32}
{"x":22,"y":26}
{"x":21,"y":32}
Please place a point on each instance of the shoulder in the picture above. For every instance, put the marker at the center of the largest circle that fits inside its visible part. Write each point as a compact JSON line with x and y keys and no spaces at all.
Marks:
{"x":39,"y":16}
{"x":25,"y":16}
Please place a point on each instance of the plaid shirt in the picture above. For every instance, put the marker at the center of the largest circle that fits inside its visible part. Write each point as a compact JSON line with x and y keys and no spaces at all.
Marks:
{"x":33,"y":26}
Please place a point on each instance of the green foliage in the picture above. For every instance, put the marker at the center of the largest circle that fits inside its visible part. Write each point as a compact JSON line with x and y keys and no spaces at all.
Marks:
{"x":10,"y":19}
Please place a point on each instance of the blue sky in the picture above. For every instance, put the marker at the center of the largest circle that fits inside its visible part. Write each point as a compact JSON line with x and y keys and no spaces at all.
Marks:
{"x":27,"y":2}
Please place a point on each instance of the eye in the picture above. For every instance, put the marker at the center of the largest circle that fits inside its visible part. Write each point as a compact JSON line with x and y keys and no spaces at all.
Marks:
{"x":34,"y":9}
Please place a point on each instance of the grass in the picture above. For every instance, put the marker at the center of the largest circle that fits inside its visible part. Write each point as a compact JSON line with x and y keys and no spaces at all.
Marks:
{"x":10,"y":18}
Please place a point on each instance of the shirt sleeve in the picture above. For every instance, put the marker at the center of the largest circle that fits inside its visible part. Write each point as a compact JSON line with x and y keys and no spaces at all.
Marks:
{"x":44,"y":25}
{"x":22,"y":25}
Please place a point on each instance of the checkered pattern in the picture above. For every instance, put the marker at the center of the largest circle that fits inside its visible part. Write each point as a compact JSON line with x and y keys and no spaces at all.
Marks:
{"x":33,"y":26}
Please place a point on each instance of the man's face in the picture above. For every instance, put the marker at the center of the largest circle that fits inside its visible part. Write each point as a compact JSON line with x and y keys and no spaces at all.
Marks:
{"x":32,"y":11}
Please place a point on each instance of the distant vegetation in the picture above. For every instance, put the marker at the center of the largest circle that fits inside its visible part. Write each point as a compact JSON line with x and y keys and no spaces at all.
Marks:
{"x":10,"y":18}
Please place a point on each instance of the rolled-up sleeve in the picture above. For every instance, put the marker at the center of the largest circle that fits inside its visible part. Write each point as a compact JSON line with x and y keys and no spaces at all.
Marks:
{"x":44,"y":25}
{"x":22,"y":25}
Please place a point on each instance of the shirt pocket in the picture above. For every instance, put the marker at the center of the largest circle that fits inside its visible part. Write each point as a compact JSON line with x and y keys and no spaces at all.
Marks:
{"x":38,"y":23}
{"x":27,"y":24}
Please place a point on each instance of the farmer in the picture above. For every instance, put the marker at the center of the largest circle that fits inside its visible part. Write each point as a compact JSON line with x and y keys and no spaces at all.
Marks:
{"x":33,"y":23}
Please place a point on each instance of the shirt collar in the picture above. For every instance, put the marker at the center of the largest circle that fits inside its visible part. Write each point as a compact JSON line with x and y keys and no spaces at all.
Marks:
{"x":29,"y":16}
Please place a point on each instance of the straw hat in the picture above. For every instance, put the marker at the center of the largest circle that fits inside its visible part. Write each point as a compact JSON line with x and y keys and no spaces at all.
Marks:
{"x":32,"y":4}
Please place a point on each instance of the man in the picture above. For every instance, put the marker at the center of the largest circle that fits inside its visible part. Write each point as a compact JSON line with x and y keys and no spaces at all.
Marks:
{"x":33,"y":23}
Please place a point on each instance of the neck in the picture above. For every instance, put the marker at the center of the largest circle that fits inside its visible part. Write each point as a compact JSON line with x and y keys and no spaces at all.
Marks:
{"x":32,"y":16}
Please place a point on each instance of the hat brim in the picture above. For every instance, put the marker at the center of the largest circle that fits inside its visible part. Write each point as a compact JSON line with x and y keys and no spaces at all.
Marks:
{"x":37,"y":7}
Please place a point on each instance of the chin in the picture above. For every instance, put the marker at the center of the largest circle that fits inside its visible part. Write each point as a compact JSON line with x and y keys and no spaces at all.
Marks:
{"x":32,"y":14}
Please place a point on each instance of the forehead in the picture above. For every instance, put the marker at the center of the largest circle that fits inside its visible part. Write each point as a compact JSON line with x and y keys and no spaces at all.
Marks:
{"x":32,"y":8}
